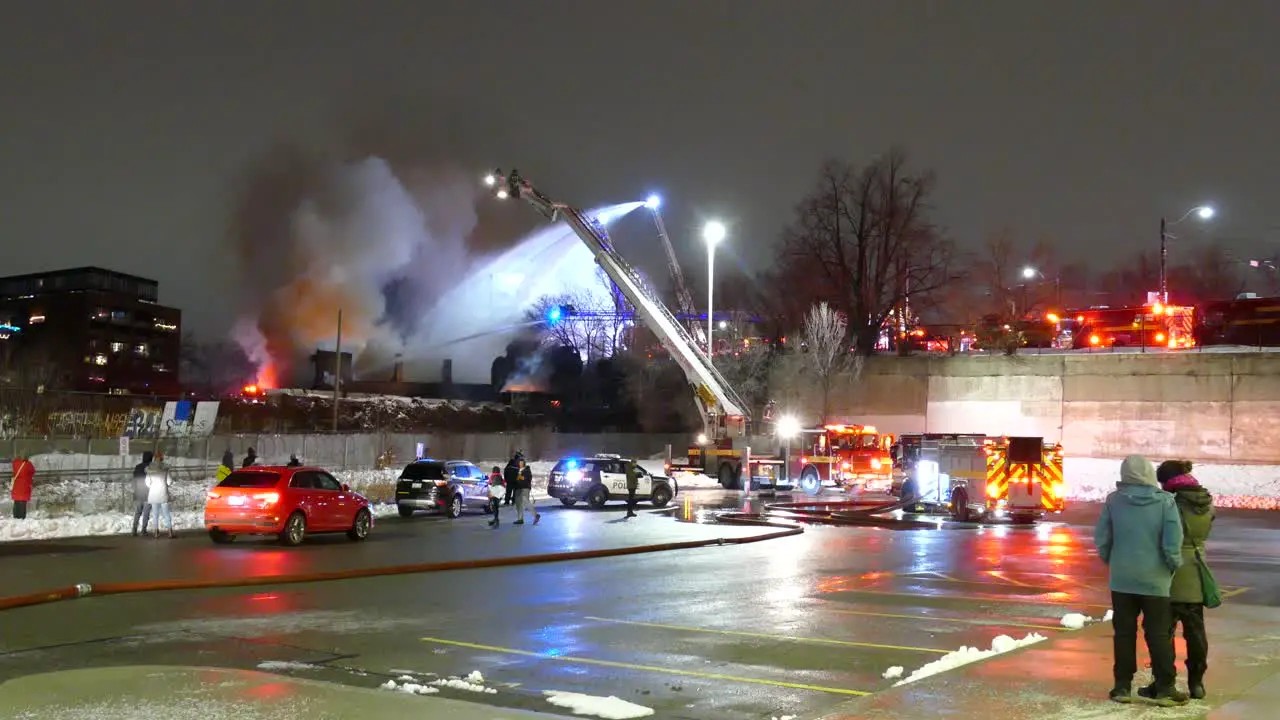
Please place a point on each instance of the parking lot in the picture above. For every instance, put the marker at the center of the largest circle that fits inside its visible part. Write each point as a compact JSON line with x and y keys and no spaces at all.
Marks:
{"x":786,"y":627}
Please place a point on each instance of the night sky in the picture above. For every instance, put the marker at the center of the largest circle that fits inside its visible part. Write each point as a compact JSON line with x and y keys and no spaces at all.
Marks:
{"x":126,"y":125}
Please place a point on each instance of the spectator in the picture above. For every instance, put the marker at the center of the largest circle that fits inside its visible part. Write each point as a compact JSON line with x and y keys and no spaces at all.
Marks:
{"x":24,"y":475}
{"x":142,"y":508}
{"x":228,"y":465}
{"x":1186,"y":595}
{"x":250,"y":458}
{"x":496,"y":490}
{"x":524,"y":494}
{"x":1139,"y":537}
{"x":158,"y":483}
{"x":294,"y":461}
{"x":510,"y":478}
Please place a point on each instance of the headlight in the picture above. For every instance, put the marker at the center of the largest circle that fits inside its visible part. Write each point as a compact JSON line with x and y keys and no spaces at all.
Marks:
{"x":875,"y":463}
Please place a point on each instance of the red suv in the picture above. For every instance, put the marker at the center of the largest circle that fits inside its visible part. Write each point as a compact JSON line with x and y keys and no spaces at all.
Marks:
{"x":288,"y":502}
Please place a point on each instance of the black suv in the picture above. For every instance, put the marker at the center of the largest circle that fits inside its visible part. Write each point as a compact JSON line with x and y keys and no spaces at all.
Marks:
{"x":600,"y":478}
{"x":445,"y":486}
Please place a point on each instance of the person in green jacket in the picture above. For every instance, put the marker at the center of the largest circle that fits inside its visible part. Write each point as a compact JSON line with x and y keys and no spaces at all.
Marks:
{"x":633,"y":482}
{"x":1186,"y":594}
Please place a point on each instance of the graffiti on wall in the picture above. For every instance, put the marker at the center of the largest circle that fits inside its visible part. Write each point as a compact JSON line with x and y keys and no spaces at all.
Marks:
{"x":87,"y":423}
{"x":143,"y":422}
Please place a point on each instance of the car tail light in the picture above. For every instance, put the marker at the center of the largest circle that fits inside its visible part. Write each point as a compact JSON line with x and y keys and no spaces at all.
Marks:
{"x":267,"y":498}
{"x":442,"y":483}
{"x":214,"y":494}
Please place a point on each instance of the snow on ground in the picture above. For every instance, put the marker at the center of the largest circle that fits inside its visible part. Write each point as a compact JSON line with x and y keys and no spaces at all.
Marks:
{"x":610,"y":708}
{"x":965,"y":655}
{"x":1076,"y":621}
{"x":1255,"y":487}
{"x":893,"y":673}
{"x":280,"y":665}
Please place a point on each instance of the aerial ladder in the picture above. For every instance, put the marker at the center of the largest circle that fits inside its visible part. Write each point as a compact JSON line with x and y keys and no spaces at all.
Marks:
{"x":684,"y":300}
{"x":724,"y":414}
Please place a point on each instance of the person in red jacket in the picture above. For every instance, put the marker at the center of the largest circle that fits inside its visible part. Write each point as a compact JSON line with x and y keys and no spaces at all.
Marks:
{"x":23,"y":474}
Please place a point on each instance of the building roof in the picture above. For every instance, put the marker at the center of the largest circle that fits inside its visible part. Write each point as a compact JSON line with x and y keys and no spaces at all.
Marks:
{"x":77,"y":270}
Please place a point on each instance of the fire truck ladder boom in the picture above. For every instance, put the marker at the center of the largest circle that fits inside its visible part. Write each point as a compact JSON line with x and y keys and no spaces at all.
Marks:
{"x":712,"y":393}
{"x":683,"y":298}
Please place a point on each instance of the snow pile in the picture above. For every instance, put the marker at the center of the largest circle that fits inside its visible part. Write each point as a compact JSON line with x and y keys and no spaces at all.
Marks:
{"x":786,"y":717}
{"x":473,"y":682}
{"x":1253,"y":487}
{"x":410,"y":688}
{"x":965,"y":655}
{"x":282,"y":665}
{"x":1076,"y":621}
{"x":610,"y":708}
{"x":893,"y":673}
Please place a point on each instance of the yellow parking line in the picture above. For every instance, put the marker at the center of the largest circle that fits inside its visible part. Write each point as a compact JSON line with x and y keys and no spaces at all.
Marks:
{"x":1009,"y":583}
{"x":1235,"y":592}
{"x":645,"y":668}
{"x":1024,"y":600}
{"x":790,"y":638}
{"x":968,"y":621}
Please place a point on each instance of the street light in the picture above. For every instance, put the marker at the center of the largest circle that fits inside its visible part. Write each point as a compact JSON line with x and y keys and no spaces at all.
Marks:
{"x":712,"y":233}
{"x":653,"y":202}
{"x":1203,"y":212}
{"x":1029,"y":272}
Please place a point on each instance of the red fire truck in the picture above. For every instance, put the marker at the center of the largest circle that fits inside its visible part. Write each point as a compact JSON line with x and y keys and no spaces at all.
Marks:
{"x":1155,"y":325}
{"x":1247,"y":320}
{"x":845,"y":456}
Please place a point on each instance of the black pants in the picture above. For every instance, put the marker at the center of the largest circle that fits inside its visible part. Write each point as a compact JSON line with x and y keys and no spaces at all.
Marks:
{"x":19,"y":509}
{"x":507,"y":495}
{"x":1191,"y":615}
{"x":631,"y":501}
{"x":142,"y":514}
{"x":1157,"y":628}
{"x":493,"y":507}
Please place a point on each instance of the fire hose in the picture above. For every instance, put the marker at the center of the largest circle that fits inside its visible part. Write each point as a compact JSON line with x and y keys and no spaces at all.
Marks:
{"x":82,"y":590}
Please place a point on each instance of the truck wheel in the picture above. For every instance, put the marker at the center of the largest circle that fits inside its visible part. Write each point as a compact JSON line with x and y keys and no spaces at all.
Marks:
{"x":568,"y":502}
{"x":405,"y":511}
{"x":727,"y":479}
{"x":960,"y":505}
{"x":810,"y":483}
{"x":597,"y":497}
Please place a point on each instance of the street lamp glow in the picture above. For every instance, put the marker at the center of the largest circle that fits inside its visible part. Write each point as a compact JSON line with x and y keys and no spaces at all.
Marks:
{"x":653,"y":202}
{"x":490,"y":180}
{"x":787,"y":426}
{"x":1205,"y":212}
{"x":1028,"y":272}
{"x":713,"y":232}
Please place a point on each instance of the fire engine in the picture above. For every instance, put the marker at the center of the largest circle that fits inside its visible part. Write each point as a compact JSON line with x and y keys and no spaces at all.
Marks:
{"x":1247,"y":320}
{"x":974,"y":477}
{"x":841,"y":455}
{"x":1154,"y":325}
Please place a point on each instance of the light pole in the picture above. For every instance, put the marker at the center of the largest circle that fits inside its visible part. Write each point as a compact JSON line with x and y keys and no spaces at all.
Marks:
{"x":1029,"y":273}
{"x":712,"y":233}
{"x":1204,"y":212}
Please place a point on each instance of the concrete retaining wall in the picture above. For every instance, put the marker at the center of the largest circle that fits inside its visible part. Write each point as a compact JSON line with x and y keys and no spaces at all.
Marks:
{"x":1210,"y":406}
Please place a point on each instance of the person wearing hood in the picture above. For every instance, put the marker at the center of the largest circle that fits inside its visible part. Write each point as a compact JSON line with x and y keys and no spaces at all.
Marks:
{"x":142,"y":508}
{"x":1186,"y":595}
{"x":228,"y":465}
{"x":1139,"y":537}
{"x":250,"y":458}
{"x":158,"y":484}
{"x":294,"y":461}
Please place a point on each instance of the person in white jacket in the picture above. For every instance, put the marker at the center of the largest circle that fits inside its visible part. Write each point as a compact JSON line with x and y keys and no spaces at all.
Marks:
{"x":158,"y":484}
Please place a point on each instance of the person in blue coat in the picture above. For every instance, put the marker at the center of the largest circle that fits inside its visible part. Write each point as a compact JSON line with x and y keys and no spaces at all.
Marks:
{"x":1139,"y":537}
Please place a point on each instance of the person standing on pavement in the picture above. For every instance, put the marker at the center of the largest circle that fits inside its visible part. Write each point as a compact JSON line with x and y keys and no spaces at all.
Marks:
{"x":158,"y":484}
{"x":510,"y":478}
{"x":1186,"y":595}
{"x":1139,"y":537}
{"x":524,"y":493}
{"x":142,"y":507}
{"x":24,"y":476}
{"x":633,"y":481}
{"x":228,"y":465}
{"x":497,"y":487}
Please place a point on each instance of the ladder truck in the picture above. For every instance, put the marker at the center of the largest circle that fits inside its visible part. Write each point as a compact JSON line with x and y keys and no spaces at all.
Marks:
{"x":724,"y":415}
{"x":684,"y":300}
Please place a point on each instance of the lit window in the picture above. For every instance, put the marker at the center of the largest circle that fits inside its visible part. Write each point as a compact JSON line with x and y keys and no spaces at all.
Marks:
{"x":140,"y":350}
{"x":117,"y":347}
{"x":99,"y":359}
{"x":162,"y":325}
{"x":159,"y":367}
{"x":100,"y":314}
{"x":97,"y":378}
{"x":34,"y":319}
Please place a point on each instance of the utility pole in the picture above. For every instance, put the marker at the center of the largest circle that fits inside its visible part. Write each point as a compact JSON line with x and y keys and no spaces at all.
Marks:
{"x":337,"y":372}
{"x":1164,"y":258}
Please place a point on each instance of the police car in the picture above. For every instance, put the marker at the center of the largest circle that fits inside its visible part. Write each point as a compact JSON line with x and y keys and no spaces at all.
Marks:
{"x":600,"y":478}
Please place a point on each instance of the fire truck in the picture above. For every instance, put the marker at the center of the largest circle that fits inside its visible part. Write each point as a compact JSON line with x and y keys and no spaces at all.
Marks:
{"x":721,"y":449}
{"x":973,"y":477}
{"x":845,"y":456}
{"x":1247,"y":320}
{"x":1154,"y":325}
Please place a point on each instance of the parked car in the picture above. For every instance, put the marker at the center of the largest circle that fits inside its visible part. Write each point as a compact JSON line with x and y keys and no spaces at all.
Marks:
{"x":442,"y":486}
{"x":601,"y":478}
{"x":289,"y":502}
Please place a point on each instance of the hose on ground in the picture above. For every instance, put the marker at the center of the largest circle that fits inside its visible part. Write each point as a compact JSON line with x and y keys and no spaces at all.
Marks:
{"x":121,"y":588}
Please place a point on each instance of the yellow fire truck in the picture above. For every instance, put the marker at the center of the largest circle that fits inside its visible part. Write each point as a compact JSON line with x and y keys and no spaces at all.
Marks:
{"x":1015,"y":477}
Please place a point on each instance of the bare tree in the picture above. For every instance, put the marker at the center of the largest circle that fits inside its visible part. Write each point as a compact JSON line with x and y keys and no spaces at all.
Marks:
{"x":748,"y":369}
{"x":1210,"y":274}
{"x":826,"y":349}
{"x":863,"y":241}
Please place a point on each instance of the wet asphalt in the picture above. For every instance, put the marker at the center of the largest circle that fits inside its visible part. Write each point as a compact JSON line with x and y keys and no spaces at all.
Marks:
{"x":784,"y":627}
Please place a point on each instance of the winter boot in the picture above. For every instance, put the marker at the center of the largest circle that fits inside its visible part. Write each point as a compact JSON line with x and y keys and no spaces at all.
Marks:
{"x":1166,"y":697}
{"x":1195,"y":685}
{"x":171,"y":535}
{"x":536,"y":518}
{"x":1121,"y":695}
